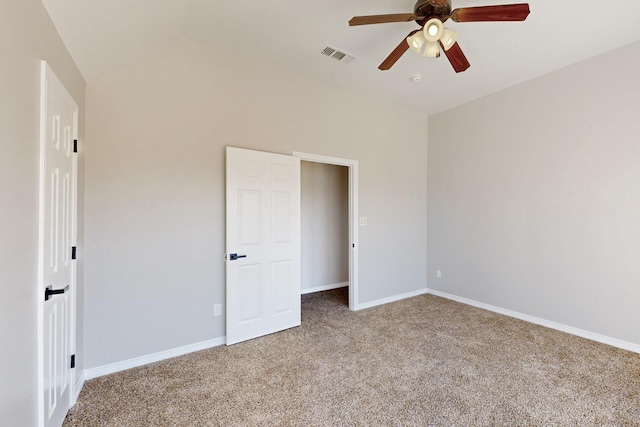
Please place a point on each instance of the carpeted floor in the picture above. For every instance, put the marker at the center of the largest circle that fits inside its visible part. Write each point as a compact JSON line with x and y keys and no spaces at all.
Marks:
{"x":425,"y":361}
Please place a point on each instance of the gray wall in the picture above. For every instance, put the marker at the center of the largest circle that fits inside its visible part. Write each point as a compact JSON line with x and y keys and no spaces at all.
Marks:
{"x":324,"y":211}
{"x":26,"y":36}
{"x":155,"y":187}
{"x":534,"y":197}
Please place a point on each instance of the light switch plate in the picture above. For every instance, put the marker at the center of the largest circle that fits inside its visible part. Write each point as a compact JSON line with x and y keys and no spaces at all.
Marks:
{"x":363,"y":220}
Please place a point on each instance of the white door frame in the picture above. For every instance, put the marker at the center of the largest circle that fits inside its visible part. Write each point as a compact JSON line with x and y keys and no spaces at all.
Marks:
{"x":47,"y":76}
{"x":352,"y":165}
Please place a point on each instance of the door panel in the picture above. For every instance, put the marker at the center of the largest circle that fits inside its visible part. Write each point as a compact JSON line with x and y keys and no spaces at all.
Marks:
{"x":281,"y":209}
{"x":250,"y":221}
{"x":249,"y":281}
{"x":281,"y":277}
{"x":263,"y":223}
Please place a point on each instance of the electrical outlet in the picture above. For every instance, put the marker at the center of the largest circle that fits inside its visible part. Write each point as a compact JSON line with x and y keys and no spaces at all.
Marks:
{"x":439,"y":274}
{"x":217,"y":310}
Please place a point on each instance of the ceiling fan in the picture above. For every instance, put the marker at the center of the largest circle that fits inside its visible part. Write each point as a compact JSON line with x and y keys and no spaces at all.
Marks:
{"x":431,"y":15}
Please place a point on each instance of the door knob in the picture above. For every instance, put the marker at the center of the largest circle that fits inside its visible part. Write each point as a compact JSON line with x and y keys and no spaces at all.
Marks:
{"x":49,"y":292}
{"x":234,"y":257}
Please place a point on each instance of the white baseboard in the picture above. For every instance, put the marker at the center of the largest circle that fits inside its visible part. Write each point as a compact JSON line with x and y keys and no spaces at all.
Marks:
{"x":111,"y":368}
{"x":625,"y":345}
{"x":324,"y":288}
{"x":390,"y":299}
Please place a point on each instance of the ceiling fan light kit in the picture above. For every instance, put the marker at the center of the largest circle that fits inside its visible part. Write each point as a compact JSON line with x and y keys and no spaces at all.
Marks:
{"x":431,"y":15}
{"x":432,"y":33}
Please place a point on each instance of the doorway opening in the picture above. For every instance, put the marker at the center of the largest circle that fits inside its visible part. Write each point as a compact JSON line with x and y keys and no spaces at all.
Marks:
{"x":329,"y":224}
{"x":324,"y":221}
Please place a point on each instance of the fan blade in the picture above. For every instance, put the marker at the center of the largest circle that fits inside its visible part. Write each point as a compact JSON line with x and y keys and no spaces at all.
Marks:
{"x":396,"y":54}
{"x":507,"y":12}
{"x":456,"y":57}
{"x":382,"y":19}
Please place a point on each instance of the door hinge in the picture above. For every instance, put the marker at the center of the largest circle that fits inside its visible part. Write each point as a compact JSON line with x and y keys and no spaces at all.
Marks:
{"x":73,"y":361}
{"x":75,"y":145}
{"x":73,"y":252}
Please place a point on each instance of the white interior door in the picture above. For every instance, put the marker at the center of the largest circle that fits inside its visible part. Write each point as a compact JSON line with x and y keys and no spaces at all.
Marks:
{"x":263,"y":243}
{"x":57,"y":238}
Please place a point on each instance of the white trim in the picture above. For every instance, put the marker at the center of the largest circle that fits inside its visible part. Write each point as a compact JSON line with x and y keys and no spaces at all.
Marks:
{"x":73,"y":295}
{"x":78,"y":388}
{"x":41,"y":186}
{"x":353,"y":217}
{"x":393,"y":298}
{"x":318,"y":158}
{"x":625,"y":345}
{"x":324,"y":288}
{"x":111,"y":368}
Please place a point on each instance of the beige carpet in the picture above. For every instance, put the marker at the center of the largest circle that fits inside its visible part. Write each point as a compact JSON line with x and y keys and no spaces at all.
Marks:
{"x":424,"y":361}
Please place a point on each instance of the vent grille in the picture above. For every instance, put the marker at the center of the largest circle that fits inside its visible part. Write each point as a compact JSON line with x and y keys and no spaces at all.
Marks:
{"x":328,"y":51}
{"x":338,"y":55}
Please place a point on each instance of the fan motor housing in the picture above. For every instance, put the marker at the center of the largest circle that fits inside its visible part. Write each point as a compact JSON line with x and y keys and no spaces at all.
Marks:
{"x":428,"y":9}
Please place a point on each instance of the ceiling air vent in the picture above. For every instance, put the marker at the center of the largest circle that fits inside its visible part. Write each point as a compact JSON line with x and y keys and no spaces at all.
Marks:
{"x":337,"y":55}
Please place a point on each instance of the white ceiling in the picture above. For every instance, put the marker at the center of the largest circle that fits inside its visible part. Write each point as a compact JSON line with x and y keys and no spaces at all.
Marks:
{"x":103,"y":34}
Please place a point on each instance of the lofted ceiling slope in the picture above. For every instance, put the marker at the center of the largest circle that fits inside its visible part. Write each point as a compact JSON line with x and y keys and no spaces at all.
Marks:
{"x":101,"y":35}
